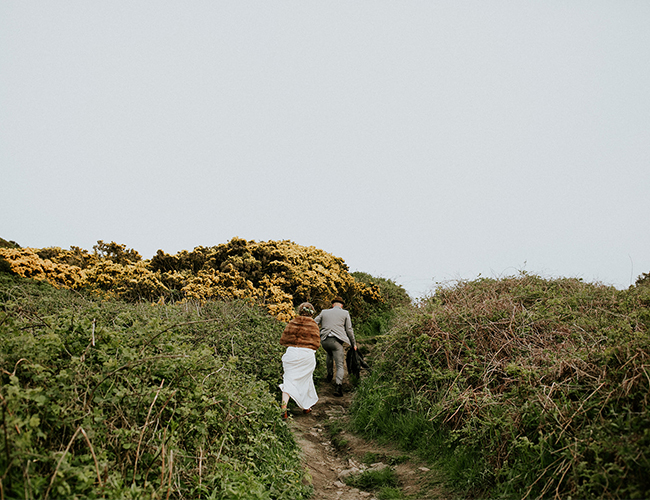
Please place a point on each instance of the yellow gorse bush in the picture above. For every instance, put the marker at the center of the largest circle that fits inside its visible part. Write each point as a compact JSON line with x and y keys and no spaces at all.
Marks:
{"x":277,"y":274}
{"x":26,"y":263}
{"x":128,"y":281}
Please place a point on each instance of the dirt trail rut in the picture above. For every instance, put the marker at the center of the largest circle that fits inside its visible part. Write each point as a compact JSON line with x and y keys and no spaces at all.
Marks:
{"x":329,"y":459}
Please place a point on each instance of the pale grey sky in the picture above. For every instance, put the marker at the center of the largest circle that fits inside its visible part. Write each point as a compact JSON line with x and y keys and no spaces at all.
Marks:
{"x":421,"y":141}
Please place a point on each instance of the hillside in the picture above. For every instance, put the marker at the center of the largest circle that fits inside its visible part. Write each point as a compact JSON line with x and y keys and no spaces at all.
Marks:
{"x":520,"y":387}
{"x":107,"y":393}
{"x":106,"y":399}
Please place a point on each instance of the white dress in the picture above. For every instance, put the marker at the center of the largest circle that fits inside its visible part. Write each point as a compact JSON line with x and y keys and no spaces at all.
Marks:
{"x":298,"y":381}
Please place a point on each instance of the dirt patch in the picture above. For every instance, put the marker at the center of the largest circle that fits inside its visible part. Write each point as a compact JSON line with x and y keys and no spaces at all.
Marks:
{"x":331,"y":453}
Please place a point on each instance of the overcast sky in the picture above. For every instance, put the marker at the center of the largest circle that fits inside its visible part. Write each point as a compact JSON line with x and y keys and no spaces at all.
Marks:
{"x":421,"y":141}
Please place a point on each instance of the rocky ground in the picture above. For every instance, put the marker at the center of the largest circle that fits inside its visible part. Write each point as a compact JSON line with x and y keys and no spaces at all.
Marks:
{"x":332,"y":454}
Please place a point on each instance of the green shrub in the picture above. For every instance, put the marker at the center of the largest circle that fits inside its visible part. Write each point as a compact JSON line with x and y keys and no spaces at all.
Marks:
{"x":519,"y":387}
{"x":114,"y":400}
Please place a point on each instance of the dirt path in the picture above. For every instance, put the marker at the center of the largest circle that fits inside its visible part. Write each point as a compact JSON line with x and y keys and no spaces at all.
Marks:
{"x":331,"y":453}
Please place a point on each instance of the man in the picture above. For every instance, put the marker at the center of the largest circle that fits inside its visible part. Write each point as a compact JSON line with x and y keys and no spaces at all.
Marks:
{"x":335,"y":329}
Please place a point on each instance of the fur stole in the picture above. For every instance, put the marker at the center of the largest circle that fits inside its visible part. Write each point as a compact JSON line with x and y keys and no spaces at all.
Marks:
{"x":302,"y":331}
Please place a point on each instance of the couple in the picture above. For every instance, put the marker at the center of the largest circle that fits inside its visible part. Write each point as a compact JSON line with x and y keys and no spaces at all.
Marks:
{"x":302,"y":336}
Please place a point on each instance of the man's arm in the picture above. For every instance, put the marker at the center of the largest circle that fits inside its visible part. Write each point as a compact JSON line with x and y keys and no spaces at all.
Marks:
{"x":349,"y":331}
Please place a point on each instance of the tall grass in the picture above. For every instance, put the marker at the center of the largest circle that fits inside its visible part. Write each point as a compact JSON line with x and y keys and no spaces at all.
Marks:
{"x":104,"y":399}
{"x":520,"y":387}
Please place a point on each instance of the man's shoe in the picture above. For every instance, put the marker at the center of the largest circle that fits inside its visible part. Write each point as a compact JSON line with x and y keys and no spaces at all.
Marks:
{"x":339,"y":390}
{"x":329,"y":377}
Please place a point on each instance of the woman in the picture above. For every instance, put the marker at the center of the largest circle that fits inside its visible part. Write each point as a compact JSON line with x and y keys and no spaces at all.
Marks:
{"x":302,"y":338}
